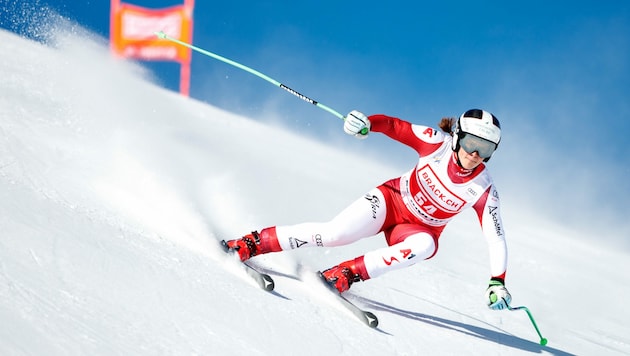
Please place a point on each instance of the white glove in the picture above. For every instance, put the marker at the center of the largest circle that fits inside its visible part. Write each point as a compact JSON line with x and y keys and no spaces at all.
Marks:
{"x":497,"y":296}
{"x":357,"y":124}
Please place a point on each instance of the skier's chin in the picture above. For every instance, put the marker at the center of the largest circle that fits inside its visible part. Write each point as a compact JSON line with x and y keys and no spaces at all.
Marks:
{"x":469,"y":163}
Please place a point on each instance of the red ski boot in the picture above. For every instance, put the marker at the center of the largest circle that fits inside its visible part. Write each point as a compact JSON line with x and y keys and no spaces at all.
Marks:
{"x":255,"y":244}
{"x":245,"y":246}
{"x":343,"y":275}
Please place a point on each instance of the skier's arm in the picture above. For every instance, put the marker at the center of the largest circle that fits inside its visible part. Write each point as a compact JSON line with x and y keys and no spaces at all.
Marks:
{"x":422,"y":139}
{"x":489,"y":212}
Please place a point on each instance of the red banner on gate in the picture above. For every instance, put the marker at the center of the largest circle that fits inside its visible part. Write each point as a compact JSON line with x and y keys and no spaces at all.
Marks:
{"x":132,"y":34}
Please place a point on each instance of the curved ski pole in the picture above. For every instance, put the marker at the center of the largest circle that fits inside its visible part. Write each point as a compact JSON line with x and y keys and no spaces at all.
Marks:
{"x":162,"y":35}
{"x":543,"y":341}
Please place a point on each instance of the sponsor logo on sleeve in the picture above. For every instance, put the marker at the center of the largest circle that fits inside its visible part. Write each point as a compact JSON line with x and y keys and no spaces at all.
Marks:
{"x":429,"y":132}
{"x":492,"y":210}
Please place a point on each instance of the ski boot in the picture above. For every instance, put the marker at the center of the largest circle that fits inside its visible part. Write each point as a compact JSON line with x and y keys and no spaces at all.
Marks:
{"x":255,"y":244}
{"x":342,"y":276}
{"x":245,"y":246}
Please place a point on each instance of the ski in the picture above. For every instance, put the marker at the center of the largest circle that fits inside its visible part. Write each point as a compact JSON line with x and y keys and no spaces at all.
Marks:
{"x":264,"y":280}
{"x":368,"y":318}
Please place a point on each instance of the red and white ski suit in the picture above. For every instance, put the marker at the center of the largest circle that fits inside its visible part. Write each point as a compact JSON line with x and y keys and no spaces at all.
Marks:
{"x":411,"y":210}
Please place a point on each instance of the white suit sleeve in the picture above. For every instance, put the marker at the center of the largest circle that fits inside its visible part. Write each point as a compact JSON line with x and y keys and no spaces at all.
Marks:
{"x":489,"y":212}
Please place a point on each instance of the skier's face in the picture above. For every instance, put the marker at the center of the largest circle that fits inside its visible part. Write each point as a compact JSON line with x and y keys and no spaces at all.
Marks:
{"x":469,"y":160}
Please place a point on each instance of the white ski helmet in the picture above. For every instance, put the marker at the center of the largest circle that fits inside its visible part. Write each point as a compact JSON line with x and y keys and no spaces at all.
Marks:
{"x":477,"y":131}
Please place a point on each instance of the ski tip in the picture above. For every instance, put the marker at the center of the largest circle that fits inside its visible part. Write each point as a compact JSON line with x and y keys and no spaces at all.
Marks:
{"x":370,"y":319}
{"x":267,"y":283}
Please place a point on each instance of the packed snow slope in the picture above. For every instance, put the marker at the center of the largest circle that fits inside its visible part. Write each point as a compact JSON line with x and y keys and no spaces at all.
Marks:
{"x":114,"y":193}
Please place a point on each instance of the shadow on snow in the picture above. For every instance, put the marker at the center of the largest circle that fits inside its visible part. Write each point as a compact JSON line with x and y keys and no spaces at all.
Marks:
{"x":466,"y":329}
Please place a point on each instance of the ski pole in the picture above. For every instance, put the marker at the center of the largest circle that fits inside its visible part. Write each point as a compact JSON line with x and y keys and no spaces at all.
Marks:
{"x":162,"y":35}
{"x":543,"y":341}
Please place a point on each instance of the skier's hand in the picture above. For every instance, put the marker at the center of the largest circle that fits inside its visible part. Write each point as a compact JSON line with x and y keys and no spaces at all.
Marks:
{"x":357,"y":124}
{"x":497,"y":296}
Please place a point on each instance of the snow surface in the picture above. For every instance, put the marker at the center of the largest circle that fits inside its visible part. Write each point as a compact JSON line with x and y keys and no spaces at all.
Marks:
{"x":114,"y":192}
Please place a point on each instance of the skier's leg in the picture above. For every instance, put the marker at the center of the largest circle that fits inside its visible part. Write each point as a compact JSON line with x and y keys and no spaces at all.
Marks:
{"x":364,"y":217}
{"x":416,"y":246}
{"x":410,"y":243}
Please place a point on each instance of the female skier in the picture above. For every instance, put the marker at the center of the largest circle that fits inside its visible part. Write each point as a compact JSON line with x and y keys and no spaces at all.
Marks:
{"x":411,"y":210}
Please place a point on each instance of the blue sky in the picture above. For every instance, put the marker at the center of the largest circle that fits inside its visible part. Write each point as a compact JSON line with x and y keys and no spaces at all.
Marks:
{"x":413,"y":61}
{"x":547,"y":64}
{"x":557,"y":74}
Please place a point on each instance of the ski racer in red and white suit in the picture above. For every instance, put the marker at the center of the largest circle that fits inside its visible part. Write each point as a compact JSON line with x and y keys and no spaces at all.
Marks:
{"x":411,"y":210}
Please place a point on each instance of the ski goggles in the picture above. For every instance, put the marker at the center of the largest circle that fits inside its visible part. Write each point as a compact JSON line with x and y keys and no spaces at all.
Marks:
{"x":471,"y":143}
